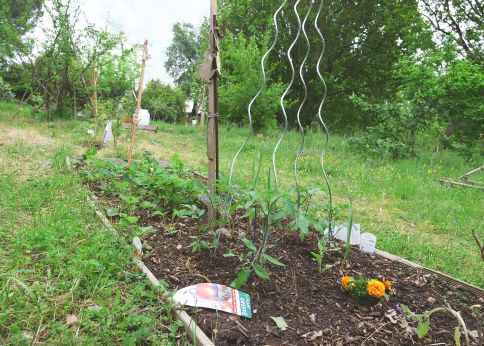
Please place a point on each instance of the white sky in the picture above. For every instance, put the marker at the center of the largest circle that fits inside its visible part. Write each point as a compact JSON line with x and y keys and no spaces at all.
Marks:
{"x":151,"y":19}
{"x":140,"y":19}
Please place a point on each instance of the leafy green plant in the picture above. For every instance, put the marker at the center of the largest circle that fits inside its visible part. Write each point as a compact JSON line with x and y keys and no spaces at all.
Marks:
{"x":256,"y":257}
{"x":423,"y":320}
{"x":319,"y":256}
{"x":145,"y":185}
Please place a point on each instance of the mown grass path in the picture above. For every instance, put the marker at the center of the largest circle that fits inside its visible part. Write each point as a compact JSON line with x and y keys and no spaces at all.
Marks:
{"x":64,"y":278}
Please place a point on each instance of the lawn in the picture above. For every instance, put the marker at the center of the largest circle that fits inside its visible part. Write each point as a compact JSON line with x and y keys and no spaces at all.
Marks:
{"x":64,"y":278}
{"x":58,"y":261}
{"x":402,"y":202}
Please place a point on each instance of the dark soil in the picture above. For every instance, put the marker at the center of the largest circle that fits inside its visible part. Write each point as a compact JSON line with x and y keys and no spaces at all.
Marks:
{"x":317,"y":311}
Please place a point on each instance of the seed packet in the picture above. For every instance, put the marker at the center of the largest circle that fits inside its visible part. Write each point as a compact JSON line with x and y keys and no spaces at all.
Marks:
{"x":215,"y":297}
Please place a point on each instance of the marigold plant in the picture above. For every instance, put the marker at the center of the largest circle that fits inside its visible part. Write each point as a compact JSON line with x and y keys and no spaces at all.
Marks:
{"x":376,"y":288}
{"x":345,"y":282}
{"x":364,"y":289}
{"x":388,"y":284}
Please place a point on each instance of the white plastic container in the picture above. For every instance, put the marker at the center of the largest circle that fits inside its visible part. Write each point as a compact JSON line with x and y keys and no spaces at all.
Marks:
{"x":143,"y":118}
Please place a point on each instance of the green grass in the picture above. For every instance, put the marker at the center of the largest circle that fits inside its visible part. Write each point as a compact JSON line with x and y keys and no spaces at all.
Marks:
{"x":402,"y":202}
{"x":57,"y":260}
{"x":65,"y":261}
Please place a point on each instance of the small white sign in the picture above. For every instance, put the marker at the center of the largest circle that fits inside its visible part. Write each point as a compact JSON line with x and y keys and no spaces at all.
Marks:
{"x":340,"y":232}
{"x":108,"y":132}
{"x":368,"y":243}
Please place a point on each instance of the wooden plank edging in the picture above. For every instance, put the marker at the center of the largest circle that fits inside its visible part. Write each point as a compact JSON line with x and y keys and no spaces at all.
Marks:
{"x":194,"y":331}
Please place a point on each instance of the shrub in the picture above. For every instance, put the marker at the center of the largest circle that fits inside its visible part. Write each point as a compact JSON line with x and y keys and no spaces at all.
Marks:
{"x":241,"y":59}
{"x":392,"y":130}
{"x":163,"y":101}
{"x":5,"y":91}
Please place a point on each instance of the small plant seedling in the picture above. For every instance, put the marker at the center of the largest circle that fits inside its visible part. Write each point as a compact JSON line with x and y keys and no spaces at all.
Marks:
{"x":423,"y":320}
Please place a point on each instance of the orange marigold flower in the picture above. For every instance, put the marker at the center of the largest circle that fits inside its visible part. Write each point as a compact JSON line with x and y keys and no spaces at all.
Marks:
{"x":345,"y":282}
{"x":375,"y":288}
{"x":388,"y":284}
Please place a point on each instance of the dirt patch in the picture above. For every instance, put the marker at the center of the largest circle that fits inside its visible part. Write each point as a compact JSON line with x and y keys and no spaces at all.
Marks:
{"x":24,"y":152}
{"x":317,"y":310}
{"x":10,"y":136}
{"x":312,"y":303}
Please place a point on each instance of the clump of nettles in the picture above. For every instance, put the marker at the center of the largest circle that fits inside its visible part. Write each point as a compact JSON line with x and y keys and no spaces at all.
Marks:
{"x":363,"y":288}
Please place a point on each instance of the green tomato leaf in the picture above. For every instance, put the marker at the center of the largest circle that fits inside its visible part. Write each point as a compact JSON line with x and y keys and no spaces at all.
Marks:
{"x":317,"y":256}
{"x":249,"y":244}
{"x":260,"y":271}
{"x":241,"y":279}
{"x":423,"y":328}
{"x":457,"y":335}
{"x":273,"y":260}
{"x":132,"y":219}
{"x":280,"y":322}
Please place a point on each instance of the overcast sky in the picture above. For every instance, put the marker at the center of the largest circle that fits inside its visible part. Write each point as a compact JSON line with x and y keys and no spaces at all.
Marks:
{"x":151,"y":19}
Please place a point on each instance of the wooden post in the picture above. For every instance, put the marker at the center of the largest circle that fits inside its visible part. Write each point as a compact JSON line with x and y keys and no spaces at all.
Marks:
{"x":134,"y":124}
{"x":93,"y":94}
{"x":212,"y":121}
{"x":75,"y":101}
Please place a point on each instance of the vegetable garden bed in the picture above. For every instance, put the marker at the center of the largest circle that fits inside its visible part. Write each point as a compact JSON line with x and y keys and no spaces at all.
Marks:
{"x":314,"y":306}
{"x":312,"y":303}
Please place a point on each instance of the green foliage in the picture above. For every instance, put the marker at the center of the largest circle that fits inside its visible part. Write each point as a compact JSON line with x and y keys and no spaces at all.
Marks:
{"x":240,"y":82}
{"x":391,"y":131}
{"x":145,"y":185}
{"x":364,"y":40}
{"x":6,"y":94}
{"x":449,"y":89}
{"x":17,"y":17}
{"x":163,"y":101}
{"x":461,"y":21}
{"x":184,"y":56}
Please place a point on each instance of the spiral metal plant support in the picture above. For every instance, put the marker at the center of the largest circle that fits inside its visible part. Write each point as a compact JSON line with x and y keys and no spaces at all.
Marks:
{"x":320,"y":117}
{"x":264,"y":81}
{"x":301,"y":31}
{"x":289,"y":86}
{"x":301,"y":106}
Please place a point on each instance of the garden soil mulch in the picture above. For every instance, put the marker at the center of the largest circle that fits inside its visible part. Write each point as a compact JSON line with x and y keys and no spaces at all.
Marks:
{"x":313,"y":304}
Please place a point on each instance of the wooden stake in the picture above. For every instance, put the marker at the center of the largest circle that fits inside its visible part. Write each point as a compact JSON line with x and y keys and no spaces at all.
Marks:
{"x":134,"y":124}
{"x":212,"y":121}
{"x":93,"y":94}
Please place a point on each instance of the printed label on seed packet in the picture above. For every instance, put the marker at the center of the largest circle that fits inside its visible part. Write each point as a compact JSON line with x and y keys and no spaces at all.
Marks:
{"x":216,"y":297}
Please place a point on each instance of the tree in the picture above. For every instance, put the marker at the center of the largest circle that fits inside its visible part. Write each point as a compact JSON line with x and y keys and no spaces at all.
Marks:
{"x":449,"y":88}
{"x":184,"y":57}
{"x":17,"y":17}
{"x":462,"y":20}
{"x":364,"y":39}
{"x":163,"y":101}
{"x":240,"y":82}
{"x":73,"y":49}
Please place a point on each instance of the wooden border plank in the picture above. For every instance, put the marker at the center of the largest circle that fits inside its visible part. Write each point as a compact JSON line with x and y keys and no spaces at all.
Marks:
{"x":194,"y":331}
